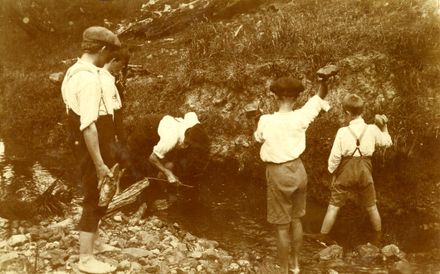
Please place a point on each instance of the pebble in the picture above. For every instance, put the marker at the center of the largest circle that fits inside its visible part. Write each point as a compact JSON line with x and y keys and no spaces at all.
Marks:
{"x":117,"y":218}
{"x":16,"y":240}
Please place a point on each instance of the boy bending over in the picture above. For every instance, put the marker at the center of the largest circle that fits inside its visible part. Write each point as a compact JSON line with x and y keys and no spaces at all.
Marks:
{"x":283,"y":135}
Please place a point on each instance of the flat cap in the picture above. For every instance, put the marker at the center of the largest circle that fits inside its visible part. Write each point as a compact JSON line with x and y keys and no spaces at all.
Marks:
{"x":101,"y":35}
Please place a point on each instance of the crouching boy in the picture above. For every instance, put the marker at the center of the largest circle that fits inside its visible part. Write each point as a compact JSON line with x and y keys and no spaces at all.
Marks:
{"x":283,"y":138}
{"x":350,"y":162}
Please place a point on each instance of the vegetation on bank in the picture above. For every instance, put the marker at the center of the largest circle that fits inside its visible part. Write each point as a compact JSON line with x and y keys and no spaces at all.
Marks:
{"x":225,"y":63}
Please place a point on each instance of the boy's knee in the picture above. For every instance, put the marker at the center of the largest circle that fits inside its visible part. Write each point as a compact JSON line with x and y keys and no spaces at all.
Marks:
{"x":296,"y":221}
{"x":372,"y":209}
{"x":283,"y":227}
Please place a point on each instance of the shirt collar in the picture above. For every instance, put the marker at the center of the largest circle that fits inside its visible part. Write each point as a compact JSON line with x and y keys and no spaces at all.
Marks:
{"x":85,"y":63}
{"x":358,"y":120}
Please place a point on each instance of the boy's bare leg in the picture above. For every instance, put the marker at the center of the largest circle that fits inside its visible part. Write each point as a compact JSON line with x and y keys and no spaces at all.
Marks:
{"x":297,"y":237}
{"x":375,"y":219}
{"x":86,"y":242}
{"x":283,"y":243}
{"x":329,"y":219}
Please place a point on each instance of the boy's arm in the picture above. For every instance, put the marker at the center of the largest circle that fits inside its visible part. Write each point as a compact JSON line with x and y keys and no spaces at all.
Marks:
{"x":258,"y":134}
{"x":314,"y":105}
{"x":382,"y":136}
{"x":168,"y":141}
{"x":336,"y":153}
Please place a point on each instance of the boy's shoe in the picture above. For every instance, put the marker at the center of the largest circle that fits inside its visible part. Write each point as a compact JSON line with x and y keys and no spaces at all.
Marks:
{"x":92,"y":266}
{"x":295,"y":270}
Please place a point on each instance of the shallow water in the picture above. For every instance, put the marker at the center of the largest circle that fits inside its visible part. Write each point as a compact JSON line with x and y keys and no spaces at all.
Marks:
{"x":232,"y":212}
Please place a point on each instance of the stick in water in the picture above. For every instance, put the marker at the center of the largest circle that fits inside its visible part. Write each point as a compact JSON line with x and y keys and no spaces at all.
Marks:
{"x":179,"y":183}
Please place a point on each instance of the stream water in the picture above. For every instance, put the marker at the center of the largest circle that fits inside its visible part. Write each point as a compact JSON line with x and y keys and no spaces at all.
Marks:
{"x":232,"y":212}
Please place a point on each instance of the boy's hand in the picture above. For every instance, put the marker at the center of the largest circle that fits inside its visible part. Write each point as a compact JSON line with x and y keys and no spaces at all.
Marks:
{"x":172,"y":178}
{"x":380,"y":120}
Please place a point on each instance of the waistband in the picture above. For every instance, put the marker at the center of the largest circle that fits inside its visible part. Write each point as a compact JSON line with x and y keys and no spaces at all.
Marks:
{"x":283,"y":163}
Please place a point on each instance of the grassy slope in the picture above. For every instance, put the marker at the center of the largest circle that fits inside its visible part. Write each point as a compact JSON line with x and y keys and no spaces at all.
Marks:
{"x":388,"y":52}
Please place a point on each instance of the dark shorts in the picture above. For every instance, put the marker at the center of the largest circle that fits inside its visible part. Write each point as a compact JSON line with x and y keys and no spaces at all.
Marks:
{"x":353,"y":179}
{"x":286,"y":191}
{"x":92,"y":213}
{"x":340,"y":194}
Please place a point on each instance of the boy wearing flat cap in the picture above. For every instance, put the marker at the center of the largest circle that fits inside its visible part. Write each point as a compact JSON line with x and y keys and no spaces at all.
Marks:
{"x":283,"y":138}
{"x":90,"y":114}
{"x":350,"y":163}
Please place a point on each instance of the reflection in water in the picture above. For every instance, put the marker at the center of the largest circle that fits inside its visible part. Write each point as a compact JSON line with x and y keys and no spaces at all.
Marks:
{"x":231,"y":211}
{"x":23,"y":179}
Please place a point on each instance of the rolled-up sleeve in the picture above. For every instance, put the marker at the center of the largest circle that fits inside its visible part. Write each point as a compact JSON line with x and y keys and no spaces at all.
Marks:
{"x":383,"y":139}
{"x":169,"y":137}
{"x":336,"y":153}
{"x":312,"y":108}
{"x":88,"y":92}
{"x":258,"y":134}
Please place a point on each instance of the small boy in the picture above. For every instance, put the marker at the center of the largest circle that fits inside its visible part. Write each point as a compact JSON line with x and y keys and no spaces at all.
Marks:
{"x":350,"y":162}
{"x":283,"y":135}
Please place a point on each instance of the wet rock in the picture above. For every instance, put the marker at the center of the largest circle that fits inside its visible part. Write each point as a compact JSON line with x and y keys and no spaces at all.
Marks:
{"x":196,"y":254}
{"x":124,"y":265}
{"x":136,"y":252}
{"x":233,"y":267}
{"x":401,"y":267}
{"x":117,"y":218}
{"x":14,"y":263}
{"x":189,"y":237}
{"x":244,"y":263}
{"x":330,"y":253}
{"x":391,"y":251}
{"x":368,"y":251}
{"x":207,"y":244}
{"x":65,"y":223}
{"x":16,"y":240}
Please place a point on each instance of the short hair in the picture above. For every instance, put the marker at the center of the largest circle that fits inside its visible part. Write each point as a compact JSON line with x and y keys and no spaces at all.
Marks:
{"x":287,"y":87}
{"x":197,"y":154}
{"x":123,"y":54}
{"x":353,"y":103}
{"x":196,"y":137}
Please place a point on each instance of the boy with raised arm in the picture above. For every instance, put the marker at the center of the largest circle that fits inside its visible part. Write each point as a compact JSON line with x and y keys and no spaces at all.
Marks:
{"x":283,"y":138}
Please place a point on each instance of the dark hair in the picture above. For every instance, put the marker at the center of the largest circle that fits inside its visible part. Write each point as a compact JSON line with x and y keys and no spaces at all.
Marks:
{"x":353,"y":103}
{"x":95,"y":46}
{"x":196,"y":155}
{"x":287,"y":87}
{"x":196,"y":137}
{"x":123,"y":55}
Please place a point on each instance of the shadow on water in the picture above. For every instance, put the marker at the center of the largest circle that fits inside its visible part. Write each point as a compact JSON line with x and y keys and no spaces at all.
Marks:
{"x":231,"y":210}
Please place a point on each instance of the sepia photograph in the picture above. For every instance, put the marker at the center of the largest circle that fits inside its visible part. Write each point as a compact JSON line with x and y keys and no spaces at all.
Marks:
{"x":220,"y":136}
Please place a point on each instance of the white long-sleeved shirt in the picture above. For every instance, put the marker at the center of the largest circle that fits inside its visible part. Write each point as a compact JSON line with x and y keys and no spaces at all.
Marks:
{"x":171,"y":131}
{"x":284,"y":134}
{"x":88,"y":91}
{"x":345,"y":142}
{"x":110,"y":90}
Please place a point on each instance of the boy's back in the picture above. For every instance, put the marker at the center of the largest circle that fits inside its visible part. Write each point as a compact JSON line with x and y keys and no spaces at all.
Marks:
{"x":345,"y":144}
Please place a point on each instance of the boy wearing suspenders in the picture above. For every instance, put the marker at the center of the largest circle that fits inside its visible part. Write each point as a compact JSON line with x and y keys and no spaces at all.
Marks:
{"x":90,"y":114}
{"x":350,"y":162}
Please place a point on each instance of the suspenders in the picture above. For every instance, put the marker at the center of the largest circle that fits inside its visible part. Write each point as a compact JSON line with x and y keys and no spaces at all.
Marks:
{"x":358,"y":139}
{"x":101,"y":100}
